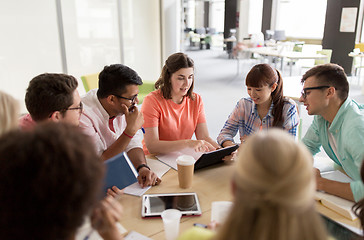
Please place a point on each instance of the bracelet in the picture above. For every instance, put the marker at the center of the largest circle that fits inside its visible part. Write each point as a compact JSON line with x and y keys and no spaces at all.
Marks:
{"x":141,"y":166}
{"x":127,"y":135}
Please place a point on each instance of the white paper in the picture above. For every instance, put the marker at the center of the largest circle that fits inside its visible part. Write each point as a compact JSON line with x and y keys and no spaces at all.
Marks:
{"x":135,"y":189}
{"x":87,"y":231}
{"x":157,"y":167}
{"x":336,"y":176}
{"x":324,"y":164}
{"x":170,"y":158}
{"x":348,"y":19}
{"x":136,"y":236}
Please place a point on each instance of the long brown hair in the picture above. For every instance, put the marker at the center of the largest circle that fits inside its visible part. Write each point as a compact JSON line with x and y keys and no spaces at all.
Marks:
{"x":263,"y":74}
{"x":273,"y":191}
{"x":174,"y":63}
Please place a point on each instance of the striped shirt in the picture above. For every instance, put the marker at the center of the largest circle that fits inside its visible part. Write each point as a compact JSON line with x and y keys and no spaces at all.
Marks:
{"x":246,"y":120}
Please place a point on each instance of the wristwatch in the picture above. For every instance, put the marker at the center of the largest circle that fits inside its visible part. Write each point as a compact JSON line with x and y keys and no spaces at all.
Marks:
{"x":141,"y":166}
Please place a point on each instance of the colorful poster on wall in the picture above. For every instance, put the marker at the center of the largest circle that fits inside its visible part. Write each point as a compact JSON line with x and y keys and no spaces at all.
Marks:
{"x":348,"y":19}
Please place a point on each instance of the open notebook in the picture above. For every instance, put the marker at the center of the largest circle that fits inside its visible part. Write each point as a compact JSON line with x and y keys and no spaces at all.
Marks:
{"x":337,"y":204}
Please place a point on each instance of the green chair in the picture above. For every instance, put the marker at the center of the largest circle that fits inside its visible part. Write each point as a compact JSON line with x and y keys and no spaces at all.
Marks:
{"x":144,"y":90}
{"x":90,"y":81}
{"x":328,"y":53}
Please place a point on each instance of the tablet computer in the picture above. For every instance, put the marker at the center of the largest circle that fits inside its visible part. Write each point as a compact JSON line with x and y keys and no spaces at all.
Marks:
{"x":154,"y":204}
{"x":214,"y":157}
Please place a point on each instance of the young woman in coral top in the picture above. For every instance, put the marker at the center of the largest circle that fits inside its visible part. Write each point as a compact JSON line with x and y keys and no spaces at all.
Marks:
{"x":173,"y":112}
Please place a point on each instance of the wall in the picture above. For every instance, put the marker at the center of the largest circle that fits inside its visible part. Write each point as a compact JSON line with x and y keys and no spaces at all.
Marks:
{"x":171,"y":27}
{"x":29,"y":44}
{"x":30,"y":40}
{"x":341,"y":43}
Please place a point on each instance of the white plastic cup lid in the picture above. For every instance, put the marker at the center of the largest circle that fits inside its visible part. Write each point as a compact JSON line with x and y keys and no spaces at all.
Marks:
{"x":185,"y":160}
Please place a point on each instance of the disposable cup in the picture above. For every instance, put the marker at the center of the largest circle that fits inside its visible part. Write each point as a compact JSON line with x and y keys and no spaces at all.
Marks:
{"x":220,"y":210}
{"x":185,"y":165}
{"x":171,"y":219}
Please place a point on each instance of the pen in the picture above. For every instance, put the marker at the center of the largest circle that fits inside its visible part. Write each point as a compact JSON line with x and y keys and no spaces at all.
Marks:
{"x":200,"y":225}
{"x":89,"y":234}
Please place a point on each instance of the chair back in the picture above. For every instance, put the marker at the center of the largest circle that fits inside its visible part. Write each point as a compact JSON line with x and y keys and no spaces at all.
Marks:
{"x":144,"y":90}
{"x":298,"y":47}
{"x":360,"y":46}
{"x":328,"y":53}
{"x":90,"y":81}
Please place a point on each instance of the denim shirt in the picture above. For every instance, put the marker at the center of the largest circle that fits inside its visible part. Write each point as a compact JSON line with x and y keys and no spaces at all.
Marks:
{"x":348,"y":130}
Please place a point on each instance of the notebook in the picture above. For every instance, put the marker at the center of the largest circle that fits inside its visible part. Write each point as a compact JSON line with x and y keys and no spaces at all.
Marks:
{"x":120,"y":172}
{"x":337,"y":204}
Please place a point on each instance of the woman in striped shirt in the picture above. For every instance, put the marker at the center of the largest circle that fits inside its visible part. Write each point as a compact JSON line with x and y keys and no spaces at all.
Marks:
{"x":266,"y":107}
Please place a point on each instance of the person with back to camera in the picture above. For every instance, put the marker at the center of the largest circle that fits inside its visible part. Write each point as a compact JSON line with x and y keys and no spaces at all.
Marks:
{"x":173,"y":112}
{"x":265,"y":108}
{"x":50,"y":181}
{"x":273,"y":190}
{"x":9,"y":113}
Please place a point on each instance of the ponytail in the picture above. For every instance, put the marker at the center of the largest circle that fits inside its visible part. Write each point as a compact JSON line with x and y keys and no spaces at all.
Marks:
{"x":278,"y":102}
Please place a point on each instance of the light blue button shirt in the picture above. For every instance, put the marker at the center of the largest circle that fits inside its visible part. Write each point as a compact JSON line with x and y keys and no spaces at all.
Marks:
{"x":348,"y":130}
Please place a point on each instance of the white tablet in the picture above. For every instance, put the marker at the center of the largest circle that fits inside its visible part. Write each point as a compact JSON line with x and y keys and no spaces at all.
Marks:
{"x":154,"y":204}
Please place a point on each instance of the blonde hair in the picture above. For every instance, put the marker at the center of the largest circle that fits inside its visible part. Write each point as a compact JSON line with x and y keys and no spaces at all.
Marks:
{"x":274,"y":191}
{"x":9,"y":113}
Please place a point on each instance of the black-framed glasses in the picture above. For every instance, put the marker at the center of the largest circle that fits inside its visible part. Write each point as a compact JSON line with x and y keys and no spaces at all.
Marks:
{"x":80,"y":108}
{"x":304,"y":91}
{"x":132,"y":99}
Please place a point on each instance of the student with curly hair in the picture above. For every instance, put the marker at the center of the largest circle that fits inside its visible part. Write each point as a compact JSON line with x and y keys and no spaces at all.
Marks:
{"x":50,"y":181}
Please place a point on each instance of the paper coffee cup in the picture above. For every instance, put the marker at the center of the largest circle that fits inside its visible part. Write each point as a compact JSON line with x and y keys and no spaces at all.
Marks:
{"x":185,"y":165}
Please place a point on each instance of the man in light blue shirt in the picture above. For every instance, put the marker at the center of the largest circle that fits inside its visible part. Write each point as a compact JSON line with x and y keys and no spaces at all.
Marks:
{"x":338,"y":127}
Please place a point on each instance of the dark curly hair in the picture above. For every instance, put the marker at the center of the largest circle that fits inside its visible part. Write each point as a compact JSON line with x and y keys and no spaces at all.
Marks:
{"x":50,"y":179}
{"x":49,"y":92}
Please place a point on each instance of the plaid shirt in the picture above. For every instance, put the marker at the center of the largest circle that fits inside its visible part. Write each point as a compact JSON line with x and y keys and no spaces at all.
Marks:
{"x":245,"y":118}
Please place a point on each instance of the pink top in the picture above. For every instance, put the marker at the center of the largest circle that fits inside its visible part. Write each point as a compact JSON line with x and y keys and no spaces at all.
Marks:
{"x":174,"y":121}
{"x":26,"y":122}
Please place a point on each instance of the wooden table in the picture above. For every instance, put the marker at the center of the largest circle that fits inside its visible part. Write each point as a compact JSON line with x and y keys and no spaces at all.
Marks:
{"x":210,"y":184}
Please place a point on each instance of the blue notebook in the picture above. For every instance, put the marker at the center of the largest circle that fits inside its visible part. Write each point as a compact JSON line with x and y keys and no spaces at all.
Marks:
{"x":120,"y":172}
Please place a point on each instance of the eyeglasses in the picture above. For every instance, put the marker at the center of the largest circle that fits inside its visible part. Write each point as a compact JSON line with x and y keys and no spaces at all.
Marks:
{"x":132,"y":99}
{"x":304,"y":91}
{"x":80,"y":108}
